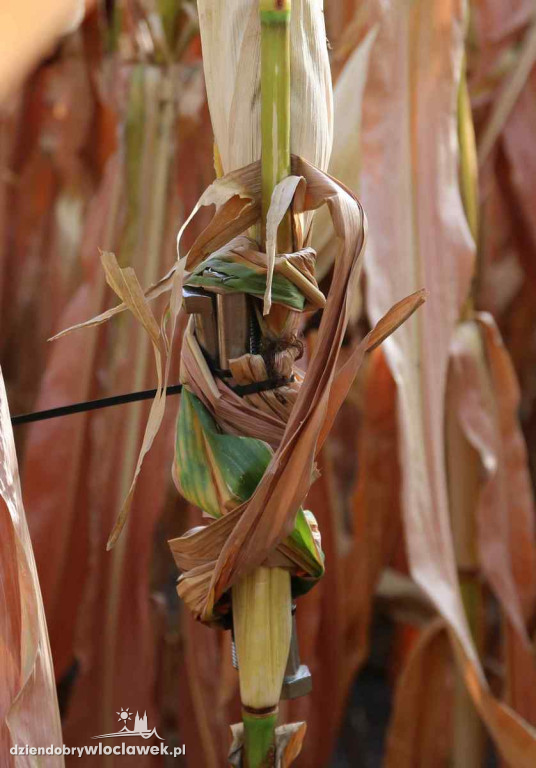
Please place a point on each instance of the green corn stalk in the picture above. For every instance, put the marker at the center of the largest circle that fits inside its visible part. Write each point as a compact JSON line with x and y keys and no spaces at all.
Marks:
{"x":259,"y":726}
{"x":217,"y":471}
{"x":463,"y":464}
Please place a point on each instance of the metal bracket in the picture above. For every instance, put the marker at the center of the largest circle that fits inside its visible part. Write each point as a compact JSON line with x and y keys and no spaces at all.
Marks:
{"x":298,"y":680}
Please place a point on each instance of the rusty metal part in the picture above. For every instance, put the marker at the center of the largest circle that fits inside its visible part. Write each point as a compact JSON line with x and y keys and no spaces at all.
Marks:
{"x":233,"y":326}
{"x":298,"y":680}
{"x":202,"y":304}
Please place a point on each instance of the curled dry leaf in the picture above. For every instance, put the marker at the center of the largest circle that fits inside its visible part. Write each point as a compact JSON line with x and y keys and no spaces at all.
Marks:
{"x":282,"y":197}
{"x":125,"y":284}
{"x":54,"y":490}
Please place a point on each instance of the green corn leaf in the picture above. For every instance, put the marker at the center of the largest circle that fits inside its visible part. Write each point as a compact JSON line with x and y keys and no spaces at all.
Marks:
{"x":191,"y":470}
{"x":237,"y":277}
{"x":217,"y":472}
{"x":301,"y":540}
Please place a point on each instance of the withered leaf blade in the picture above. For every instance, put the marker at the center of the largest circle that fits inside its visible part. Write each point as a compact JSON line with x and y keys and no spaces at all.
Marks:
{"x":28,"y":705}
{"x":394,"y":318}
{"x":408,"y":214}
{"x":420,"y":726}
{"x":125,"y":284}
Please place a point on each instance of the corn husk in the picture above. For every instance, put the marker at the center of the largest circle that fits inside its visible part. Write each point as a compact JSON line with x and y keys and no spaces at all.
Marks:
{"x":232,"y":75}
{"x":259,"y":602}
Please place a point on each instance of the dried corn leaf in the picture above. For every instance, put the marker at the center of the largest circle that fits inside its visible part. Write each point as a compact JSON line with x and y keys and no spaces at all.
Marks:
{"x":497,"y":21}
{"x":376,"y":515}
{"x":334,"y":618}
{"x":55,"y":489}
{"x":29,"y":712}
{"x":519,"y":502}
{"x":345,"y":163}
{"x":91,"y":457}
{"x":237,"y":208}
{"x":420,"y":730}
{"x":410,"y":187}
{"x":520,"y":184}
{"x":504,"y":496}
{"x":125,"y":284}
{"x":282,"y":197}
{"x":508,"y":95}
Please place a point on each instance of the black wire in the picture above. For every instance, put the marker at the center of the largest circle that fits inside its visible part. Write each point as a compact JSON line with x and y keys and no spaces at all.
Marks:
{"x":134,"y":397}
{"x":91,"y":405}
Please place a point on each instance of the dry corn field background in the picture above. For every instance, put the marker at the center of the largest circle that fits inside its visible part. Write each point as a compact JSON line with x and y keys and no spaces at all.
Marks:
{"x":416,"y":121}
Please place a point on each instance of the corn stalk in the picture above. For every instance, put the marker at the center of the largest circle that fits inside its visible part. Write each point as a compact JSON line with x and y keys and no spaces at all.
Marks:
{"x":464,"y":471}
{"x":262,"y":600}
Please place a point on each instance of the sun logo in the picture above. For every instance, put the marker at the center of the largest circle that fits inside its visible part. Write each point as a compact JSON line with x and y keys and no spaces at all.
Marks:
{"x":124,"y":715}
